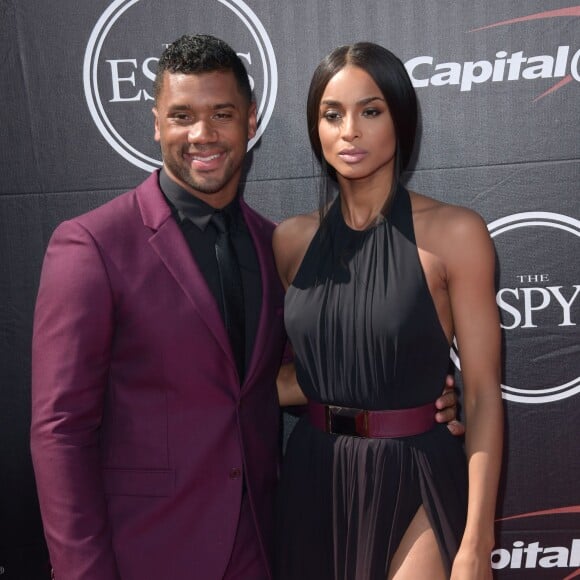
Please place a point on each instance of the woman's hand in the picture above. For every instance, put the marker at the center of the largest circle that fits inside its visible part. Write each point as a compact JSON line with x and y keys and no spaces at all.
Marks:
{"x":471,"y":564}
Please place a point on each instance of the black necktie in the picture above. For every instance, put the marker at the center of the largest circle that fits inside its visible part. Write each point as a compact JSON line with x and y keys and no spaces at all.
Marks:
{"x":232,"y":294}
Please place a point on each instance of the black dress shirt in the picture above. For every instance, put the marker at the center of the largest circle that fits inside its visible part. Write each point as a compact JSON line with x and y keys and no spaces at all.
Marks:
{"x":193,"y":217}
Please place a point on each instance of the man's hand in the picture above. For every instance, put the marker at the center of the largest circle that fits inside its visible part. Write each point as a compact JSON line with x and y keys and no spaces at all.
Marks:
{"x":447,"y":408}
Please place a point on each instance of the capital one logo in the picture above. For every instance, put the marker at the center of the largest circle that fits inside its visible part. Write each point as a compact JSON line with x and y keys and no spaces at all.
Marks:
{"x":539,"y":303}
{"x":562,"y":64}
{"x":121,"y":58}
{"x":536,"y":545}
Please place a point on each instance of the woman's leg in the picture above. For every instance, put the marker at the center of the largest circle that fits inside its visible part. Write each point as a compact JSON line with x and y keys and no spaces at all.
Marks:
{"x":418,"y":554}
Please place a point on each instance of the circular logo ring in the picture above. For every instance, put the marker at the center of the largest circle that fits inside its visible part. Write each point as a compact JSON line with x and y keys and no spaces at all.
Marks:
{"x":500,"y":226}
{"x":91,"y":85}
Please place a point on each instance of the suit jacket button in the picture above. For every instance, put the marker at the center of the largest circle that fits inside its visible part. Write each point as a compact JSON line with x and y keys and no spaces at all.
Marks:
{"x":235,"y":473}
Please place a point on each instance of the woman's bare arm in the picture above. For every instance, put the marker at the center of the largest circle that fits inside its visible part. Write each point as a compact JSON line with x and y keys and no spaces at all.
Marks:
{"x":289,"y":391}
{"x":470,"y":263}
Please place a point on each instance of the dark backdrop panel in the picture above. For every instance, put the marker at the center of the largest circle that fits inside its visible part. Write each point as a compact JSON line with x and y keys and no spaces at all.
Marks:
{"x":502,"y":138}
{"x":26,"y":222}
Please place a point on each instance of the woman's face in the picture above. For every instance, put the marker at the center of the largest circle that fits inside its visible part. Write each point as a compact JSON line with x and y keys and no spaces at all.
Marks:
{"x":355,"y":126}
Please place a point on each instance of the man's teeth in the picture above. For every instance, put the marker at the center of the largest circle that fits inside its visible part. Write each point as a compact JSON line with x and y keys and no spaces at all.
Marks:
{"x":210,"y":158}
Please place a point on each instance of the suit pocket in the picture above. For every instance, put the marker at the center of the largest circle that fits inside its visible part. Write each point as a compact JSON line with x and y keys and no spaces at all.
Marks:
{"x":139,"y":482}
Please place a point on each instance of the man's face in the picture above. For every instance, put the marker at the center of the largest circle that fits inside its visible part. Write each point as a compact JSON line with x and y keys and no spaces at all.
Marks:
{"x":203,"y":124}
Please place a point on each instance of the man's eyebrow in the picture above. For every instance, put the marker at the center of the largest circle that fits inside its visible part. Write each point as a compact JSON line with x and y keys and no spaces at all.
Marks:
{"x":216,"y":106}
{"x":224,"y":106}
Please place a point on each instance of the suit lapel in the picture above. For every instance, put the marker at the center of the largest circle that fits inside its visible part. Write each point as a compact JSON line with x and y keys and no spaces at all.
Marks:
{"x":170,"y":245}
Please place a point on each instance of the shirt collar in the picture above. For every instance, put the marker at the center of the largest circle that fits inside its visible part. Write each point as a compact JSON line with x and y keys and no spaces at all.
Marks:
{"x":190,"y":207}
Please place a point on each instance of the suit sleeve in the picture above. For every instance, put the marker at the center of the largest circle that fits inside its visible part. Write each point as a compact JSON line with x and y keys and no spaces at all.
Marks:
{"x":73,"y":329}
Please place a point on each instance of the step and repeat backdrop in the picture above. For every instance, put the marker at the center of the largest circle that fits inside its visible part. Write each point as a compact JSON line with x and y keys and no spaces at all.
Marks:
{"x":499,"y":90}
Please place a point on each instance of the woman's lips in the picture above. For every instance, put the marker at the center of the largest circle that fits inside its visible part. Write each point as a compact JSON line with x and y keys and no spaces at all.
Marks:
{"x":352,"y":155}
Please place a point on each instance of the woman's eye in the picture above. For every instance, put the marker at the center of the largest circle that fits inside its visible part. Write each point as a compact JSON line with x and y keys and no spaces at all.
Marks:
{"x":371,"y":112}
{"x":331,"y":115}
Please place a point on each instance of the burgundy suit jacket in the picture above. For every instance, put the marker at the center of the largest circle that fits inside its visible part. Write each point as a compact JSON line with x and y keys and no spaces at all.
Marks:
{"x":141,"y":432}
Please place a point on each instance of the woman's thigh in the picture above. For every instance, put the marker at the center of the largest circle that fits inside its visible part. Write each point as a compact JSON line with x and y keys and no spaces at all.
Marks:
{"x":418,"y":552}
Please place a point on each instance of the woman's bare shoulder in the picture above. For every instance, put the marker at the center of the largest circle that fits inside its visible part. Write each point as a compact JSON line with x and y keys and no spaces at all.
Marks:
{"x":293,"y":226}
{"x":445,"y":222}
{"x":457,"y":236}
{"x":290,"y":242}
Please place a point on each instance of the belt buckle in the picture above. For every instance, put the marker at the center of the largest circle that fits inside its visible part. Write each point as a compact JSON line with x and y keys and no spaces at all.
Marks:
{"x":346,"y":421}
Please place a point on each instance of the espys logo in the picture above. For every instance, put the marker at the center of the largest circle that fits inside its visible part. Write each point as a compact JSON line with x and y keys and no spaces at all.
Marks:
{"x":538,"y":301}
{"x":563,"y":65}
{"x":122,"y":54}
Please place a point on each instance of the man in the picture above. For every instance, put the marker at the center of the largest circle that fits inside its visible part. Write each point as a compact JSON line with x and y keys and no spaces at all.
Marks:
{"x":155,"y":415}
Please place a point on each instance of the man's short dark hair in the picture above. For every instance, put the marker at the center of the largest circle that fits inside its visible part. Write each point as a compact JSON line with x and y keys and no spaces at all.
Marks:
{"x":201,"y":53}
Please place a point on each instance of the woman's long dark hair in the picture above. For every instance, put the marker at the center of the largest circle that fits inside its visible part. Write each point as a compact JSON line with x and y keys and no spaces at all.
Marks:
{"x":391,"y":77}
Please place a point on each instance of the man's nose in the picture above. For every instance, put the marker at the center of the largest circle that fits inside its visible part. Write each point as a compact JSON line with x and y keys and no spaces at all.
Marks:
{"x":202,"y":132}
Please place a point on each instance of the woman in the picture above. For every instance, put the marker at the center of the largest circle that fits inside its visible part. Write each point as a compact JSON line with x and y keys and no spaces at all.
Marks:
{"x":378,"y":284}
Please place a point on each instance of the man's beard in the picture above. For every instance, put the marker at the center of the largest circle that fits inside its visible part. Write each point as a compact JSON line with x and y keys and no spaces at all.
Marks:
{"x":206,"y":186}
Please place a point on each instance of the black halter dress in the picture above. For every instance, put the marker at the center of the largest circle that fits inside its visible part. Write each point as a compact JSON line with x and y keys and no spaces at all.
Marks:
{"x":365,"y":334}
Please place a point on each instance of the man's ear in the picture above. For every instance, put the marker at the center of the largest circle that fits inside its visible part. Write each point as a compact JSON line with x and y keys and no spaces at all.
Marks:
{"x":157,"y":135}
{"x":252,"y":120}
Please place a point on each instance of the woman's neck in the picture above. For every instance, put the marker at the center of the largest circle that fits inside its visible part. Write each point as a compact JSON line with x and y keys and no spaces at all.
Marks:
{"x":362,"y":201}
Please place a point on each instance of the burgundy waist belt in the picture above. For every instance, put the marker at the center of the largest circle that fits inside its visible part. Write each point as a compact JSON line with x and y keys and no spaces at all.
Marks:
{"x":373,"y":424}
